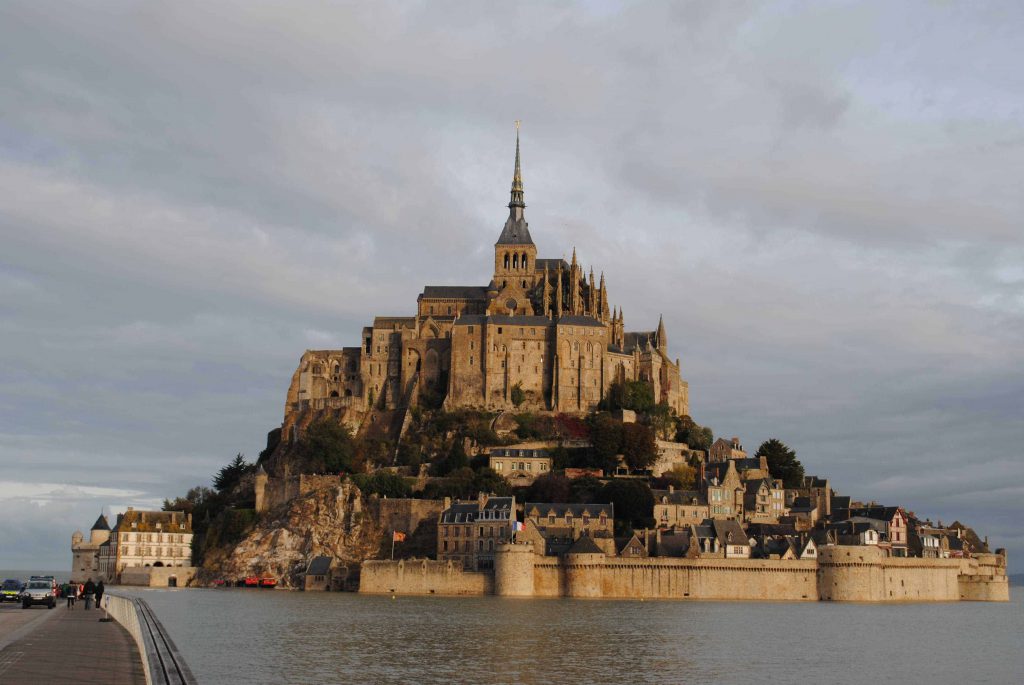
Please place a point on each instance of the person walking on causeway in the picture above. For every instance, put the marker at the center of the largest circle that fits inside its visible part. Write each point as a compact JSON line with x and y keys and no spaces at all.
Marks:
{"x":90,"y":591}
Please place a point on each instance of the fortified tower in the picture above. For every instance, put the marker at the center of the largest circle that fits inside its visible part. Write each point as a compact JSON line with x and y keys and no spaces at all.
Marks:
{"x":584,"y":569}
{"x":513,"y":569}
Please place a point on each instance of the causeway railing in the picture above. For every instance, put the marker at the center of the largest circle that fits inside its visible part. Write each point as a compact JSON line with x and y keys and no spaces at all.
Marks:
{"x":161,"y":660}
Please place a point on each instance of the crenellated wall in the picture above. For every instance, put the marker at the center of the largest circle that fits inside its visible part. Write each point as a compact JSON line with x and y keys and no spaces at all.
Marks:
{"x":423,"y":577}
{"x":850,"y":574}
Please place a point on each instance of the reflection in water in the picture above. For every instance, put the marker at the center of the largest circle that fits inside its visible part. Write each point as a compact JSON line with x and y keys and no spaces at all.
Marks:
{"x":233,"y":636}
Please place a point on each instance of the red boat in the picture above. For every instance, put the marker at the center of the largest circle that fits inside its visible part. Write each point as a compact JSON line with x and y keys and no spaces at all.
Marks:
{"x":252,"y":581}
{"x":268,"y":582}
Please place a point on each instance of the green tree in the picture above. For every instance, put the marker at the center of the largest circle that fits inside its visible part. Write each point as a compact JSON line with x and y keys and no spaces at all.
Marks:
{"x":633,"y":501}
{"x":605,"y":441}
{"x":383,"y":483}
{"x":697,"y":437}
{"x":517,"y":395}
{"x":196,"y":497}
{"x":585,"y":490}
{"x":489,"y":481}
{"x":229,"y":476}
{"x":663,"y":422}
{"x":782,"y":462}
{"x":327,"y":447}
{"x":633,"y":395}
{"x":638,"y":447}
{"x":681,"y":476}
{"x":551,"y":487}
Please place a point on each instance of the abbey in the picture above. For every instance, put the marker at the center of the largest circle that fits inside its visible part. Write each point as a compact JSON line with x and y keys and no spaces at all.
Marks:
{"x":542,"y":336}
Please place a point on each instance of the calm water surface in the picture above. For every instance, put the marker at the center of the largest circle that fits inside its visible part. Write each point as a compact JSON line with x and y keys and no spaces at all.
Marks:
{"x":252,"y":636}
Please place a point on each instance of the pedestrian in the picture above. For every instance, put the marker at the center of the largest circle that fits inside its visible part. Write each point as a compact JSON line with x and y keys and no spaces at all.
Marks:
{"x":99,"y":595}
{"x":70,"y":591}
{"x":88,"y":593}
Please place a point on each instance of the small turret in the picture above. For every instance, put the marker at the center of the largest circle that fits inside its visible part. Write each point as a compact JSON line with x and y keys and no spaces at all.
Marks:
{"x":662,"y":336}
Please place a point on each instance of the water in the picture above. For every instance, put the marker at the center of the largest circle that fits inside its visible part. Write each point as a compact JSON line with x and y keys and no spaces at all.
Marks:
{"x":252,"y":636}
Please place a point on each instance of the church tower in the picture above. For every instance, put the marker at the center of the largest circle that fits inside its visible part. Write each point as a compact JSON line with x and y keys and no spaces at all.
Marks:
{"x":515,"y":255}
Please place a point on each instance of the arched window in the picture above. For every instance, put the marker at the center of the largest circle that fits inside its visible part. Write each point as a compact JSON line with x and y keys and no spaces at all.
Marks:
{"x":523,"y":260}
{"x":515,"y":261}
{"x":334,"y":393}
{"x":480,"y":545}
{"x":490,"y":545}
{"x":506,"y":260}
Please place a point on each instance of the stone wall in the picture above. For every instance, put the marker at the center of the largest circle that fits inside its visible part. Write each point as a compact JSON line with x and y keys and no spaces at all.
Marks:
{"x":860,"y":574}
{"x":983,"y":579}
{"x":158,"y":576}
{"x":423,"y":577}
{"x":275,"y":492}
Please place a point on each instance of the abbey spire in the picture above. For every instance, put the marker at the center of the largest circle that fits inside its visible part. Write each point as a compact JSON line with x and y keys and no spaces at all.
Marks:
{"x":516,"y":230}
{"x":516,"y":203}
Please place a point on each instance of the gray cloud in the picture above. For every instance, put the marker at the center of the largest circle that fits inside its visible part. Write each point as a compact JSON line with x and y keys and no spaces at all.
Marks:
{"x":822,"y":201}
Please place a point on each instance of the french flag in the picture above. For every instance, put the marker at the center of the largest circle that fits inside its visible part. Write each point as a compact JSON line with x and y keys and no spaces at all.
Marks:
{"x":516,"y":526}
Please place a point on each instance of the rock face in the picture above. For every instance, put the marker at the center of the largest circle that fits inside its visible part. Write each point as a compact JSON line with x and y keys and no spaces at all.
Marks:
{"x":328,"y":521}
{"x":328,"y":518}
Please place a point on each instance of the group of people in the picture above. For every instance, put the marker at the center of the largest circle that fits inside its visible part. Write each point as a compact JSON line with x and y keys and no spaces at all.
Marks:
{"x":88,"y":591}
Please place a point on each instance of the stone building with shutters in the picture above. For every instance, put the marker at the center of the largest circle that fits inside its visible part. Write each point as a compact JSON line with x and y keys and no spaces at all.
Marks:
{"x":469,"y":530}
{"x":542,"y":335}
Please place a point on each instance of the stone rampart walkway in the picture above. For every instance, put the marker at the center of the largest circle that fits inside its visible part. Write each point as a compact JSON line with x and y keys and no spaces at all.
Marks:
{"x":40,"y":645}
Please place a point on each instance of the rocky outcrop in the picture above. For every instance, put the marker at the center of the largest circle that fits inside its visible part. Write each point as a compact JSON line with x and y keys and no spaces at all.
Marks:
{"x":331,"y":519}
{"x":328,"y":521}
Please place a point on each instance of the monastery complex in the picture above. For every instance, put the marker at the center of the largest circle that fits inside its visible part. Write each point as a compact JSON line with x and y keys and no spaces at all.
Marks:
{"x":541,"y":336}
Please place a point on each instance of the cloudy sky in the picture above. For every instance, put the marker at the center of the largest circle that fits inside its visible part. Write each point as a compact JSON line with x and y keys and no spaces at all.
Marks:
{"x":823,"y":199}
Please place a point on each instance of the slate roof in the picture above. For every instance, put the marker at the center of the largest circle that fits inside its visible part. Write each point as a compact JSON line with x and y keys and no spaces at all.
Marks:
{"x":677,"y":497}
{"x":319,"y":566}
{"x":403,"y":321}
{"x":515,"y":232}
{"x":455,"y":292}
{"x":460,"y":512}
{"x":502,"y":320}
{"x":577,"y":320}
{"x":521,"y":452}
{"x":874,"y":512}
{"x":636,"y":339}
{"x":101,"y":524}
{"x":674,"y":544}
{"x":585,"y":546}
{"x":730,"y":532}
{"x":551,"y":264}
{"x":146,"y":521}
{"x":470,"y":511}
{"x":545,"y":509}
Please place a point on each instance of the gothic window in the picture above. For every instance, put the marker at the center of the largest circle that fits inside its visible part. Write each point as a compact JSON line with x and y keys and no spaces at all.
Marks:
{"x":449,"y":310}
{"x":515,"y":261}
{"x":523,"y":262}
{"x":506,"y":260}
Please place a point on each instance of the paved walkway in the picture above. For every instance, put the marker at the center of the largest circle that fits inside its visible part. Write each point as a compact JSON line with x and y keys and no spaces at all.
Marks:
{"x":40,"y":645}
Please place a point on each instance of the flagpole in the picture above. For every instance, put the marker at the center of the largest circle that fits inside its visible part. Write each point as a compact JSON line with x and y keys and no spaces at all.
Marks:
{"x":392,"y":544}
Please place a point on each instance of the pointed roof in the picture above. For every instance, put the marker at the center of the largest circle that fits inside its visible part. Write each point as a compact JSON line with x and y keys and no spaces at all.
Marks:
{"x":516,"y":230}
{"x":662,"y":337}
{"x":517,"y":199}
{"x":585,"y":545}
{"x":101,"y":523}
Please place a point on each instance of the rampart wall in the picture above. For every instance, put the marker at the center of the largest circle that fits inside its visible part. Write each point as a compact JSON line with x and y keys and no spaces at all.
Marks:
{"x":423,"y":577}
{"x":841,"y":573}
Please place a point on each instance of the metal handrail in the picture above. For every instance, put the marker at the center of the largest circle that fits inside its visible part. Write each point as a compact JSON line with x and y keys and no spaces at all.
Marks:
{"x":162,"y":663}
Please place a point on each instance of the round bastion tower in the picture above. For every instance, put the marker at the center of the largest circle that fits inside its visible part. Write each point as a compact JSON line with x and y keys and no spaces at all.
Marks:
{"x":584,"y":571}
{"x":513,"y":569}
